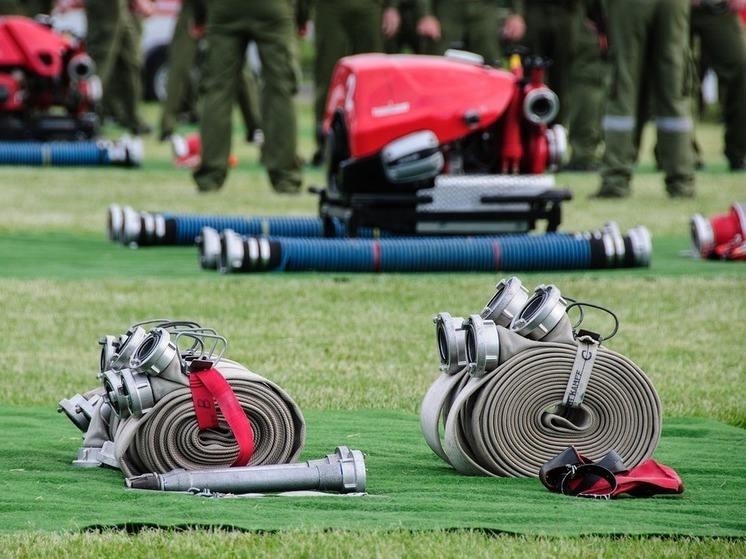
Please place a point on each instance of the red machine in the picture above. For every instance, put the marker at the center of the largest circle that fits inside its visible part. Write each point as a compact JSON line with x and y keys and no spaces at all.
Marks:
{"x":430,"y":144}
{"x":47,"y":84}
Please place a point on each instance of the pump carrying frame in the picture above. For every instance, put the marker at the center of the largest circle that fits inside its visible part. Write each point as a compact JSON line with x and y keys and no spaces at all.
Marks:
{"x":455,"y":205}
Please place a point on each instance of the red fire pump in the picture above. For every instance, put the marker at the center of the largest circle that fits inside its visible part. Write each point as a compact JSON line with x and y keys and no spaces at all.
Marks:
{"x":419,"y":144}
{"x":48,"y":84}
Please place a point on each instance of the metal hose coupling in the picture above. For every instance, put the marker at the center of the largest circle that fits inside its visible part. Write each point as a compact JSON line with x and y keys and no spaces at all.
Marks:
{"x":458,"y":346}
{"x":342,"y":472}
{"x":79,"y":409}
{"x":126,"y":151}
{"x":134,"y":229}
{"x":208,"y":245}
{"x":541,"y":315}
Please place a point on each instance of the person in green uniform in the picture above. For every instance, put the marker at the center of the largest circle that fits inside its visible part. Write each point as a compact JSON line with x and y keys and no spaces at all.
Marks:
{"x":112,"y":41}
{"x":342,"y":28}
{"x":648,"y":38}
{"x":468,"y":25}
{"x":230,"y":25}
{"x":589,"y":73}
{"x":180,"y":91}
{"x":28,"y":8}
{"x":722,"y":40}
{"x":408,"y":38}
{"x":11,"y":8}
{"x":551,"y":30}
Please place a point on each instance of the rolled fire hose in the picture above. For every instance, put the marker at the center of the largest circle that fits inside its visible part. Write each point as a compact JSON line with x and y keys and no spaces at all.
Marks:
{"x":125,"y":152}
{"x":143,"y":419}
{"x":168,"y":437}
{"x":515,"y":392}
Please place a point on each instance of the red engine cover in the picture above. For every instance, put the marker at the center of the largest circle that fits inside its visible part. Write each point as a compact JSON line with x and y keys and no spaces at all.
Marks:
{"x":29,"y":44}
{"x":384,"y":97}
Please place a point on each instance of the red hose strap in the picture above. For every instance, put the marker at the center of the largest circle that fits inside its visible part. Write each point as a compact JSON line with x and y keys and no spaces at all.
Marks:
{"x":209,"y":388}
{"x":573,"y":474}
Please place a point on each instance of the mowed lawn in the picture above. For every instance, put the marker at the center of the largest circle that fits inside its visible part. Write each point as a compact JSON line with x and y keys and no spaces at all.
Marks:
{"x":345,"y":341}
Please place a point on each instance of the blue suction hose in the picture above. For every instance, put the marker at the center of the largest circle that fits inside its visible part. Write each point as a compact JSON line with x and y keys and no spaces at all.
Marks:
{"x":552,"y":251}
{"x":133,"y":228}
{"x":69,"y":154}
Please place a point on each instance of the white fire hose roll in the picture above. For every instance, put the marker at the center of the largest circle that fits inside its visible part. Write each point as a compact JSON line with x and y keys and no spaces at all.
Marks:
{"x":168,"y":436}
{"x":512,"y":420}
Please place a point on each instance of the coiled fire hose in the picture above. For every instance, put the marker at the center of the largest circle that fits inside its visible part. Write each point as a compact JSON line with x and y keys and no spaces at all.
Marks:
{"x":170,"y":400}
{"x":519,"y":385}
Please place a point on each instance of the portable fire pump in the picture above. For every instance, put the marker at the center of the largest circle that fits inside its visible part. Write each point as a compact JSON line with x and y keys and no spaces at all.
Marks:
{"x":419,"y":144}
{"x":48,"y":84}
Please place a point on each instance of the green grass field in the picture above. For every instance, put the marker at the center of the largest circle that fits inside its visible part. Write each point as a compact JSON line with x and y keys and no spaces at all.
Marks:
{"x":344,"y":341}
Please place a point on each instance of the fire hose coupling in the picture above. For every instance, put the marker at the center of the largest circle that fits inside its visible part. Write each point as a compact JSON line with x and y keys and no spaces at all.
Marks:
{"x":136,"y":228}
{"x":114,"y":393}
{"x":208,"y":244}
{"x":474,"y":344}
{"x":541,"y":313}
{"x":155,"y":353}
{"x":641,"y":246}
{"x":342,"y":472}
{"x":126,"y":374}
{"x":239,"y":253}
{"x":470,"y":343}
{"x":509,"y":298}
{"x":79,"y":410}
{"x":540,"y":105}
{"x":81,"y":67}
{"x":128,"y":344}
{"x":718,"y":236}
{"x":482,"y":345}
{"x":451,"y":342}
{"x":127,"y":151}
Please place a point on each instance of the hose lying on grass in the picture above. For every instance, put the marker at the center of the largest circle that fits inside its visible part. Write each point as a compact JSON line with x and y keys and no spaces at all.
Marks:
{"x":519,"y":384}
{"x":230,"y":252}
{"x":126,"y":152}
{"x":169,"y":400}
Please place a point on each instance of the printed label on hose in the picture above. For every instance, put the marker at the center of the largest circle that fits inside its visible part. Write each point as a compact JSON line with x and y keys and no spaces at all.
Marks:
{"x":581,"y":370}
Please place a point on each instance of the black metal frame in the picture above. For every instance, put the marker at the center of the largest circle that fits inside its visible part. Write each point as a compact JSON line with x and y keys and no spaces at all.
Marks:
{"x":398,"y":213}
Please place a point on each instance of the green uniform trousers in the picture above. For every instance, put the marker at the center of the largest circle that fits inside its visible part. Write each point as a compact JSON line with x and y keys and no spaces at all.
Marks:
{"x":342,"y":28}
{"x":723,"y":44}
{"x":468,"y":25}
{"x":112,"y":41}
{"x":648,"y":38}
{"x":11,"y":8}
{"x":552,"y":31}
{"x":28,"y":8}
{"x":587,"y":99}
{"x":231,"y":24}
{"x":407,"y":39}
{"x":181,"y":53}
{"x":179,"y":91}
